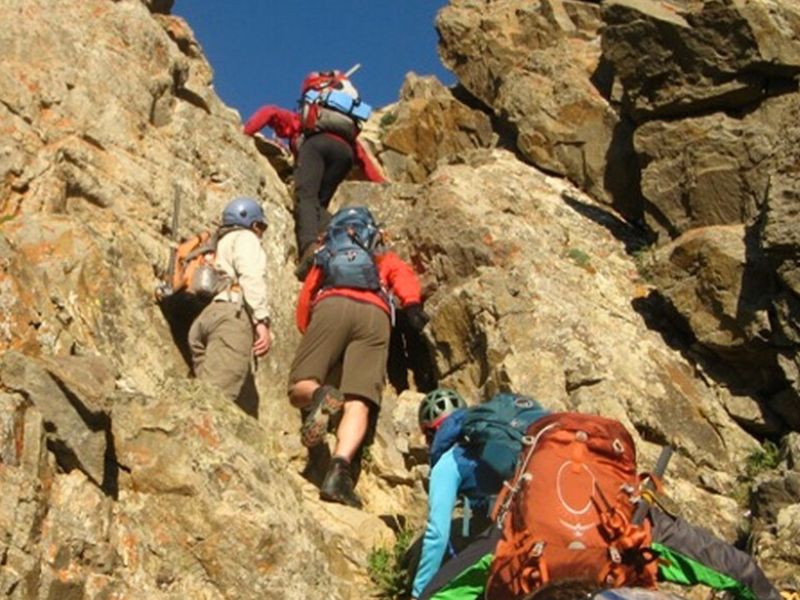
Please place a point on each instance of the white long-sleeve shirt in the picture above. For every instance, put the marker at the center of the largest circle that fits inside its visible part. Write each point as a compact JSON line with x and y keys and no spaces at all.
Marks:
{"x":241,"y":256}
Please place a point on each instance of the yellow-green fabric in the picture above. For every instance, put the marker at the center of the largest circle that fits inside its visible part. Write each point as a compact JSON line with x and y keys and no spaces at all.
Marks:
{"x":675,"y":568}
{"x":678,"y":568}
{"x":469,"y":584}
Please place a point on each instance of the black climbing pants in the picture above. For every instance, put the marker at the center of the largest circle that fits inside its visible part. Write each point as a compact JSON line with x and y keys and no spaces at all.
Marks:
{"x":323,"y":162}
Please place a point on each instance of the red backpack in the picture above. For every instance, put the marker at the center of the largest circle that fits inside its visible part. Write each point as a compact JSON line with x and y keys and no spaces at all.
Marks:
{"x":320,"y":80}
{"x":567,"y":512}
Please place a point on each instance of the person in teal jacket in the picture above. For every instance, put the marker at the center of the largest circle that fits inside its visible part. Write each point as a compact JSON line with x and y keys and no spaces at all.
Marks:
{"x":688,"y":555}
{"x":456,"y":472}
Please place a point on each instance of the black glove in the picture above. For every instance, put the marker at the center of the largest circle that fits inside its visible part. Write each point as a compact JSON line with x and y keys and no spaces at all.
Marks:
{"x":416,"y":317}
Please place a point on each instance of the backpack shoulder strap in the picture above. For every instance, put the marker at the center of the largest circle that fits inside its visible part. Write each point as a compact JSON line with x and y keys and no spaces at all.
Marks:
{"x":207,"y":242}
{"x":447,"y":436}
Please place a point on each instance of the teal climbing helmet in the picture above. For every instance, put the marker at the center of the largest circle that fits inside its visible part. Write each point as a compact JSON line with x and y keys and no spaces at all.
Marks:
{"x":436,"y":405}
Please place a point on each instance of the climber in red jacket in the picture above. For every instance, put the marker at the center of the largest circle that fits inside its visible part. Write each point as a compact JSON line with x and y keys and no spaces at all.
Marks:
{"x":345,"y":311}
{"x":325,"y":145}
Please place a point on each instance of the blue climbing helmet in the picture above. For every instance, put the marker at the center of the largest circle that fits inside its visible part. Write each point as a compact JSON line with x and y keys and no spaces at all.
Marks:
{"x":243,"y":212}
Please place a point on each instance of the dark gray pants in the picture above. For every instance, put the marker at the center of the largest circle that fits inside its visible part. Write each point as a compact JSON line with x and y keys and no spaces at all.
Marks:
{"x":322,"y":164}
{"x":707,"y":549}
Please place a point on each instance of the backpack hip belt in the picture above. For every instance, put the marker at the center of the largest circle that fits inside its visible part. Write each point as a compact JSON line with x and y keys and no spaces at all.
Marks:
{"x":233,"y":293}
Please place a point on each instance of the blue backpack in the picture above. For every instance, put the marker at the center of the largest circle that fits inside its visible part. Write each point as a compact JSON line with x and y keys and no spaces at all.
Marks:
{"x":346,"y":256}
{"x":495,"y":430}
{"x":341,"y":101}
{"x":330,"y":102}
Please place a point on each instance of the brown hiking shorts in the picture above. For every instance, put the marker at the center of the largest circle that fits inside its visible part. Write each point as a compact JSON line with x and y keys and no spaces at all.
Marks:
{"x":346,"y":345}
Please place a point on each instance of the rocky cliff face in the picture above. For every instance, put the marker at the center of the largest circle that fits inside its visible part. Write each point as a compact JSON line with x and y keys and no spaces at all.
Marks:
{"x":665,"y":126}
{"x":603,"y":213}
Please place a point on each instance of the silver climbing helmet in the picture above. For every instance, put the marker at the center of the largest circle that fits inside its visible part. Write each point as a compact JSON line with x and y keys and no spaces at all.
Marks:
{"x":243,"y":212}
{"x":436,"y":405}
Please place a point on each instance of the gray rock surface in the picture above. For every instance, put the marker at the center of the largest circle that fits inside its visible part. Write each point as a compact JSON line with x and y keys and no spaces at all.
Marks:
{"x":537,"y":66}
{"x":500,"y":321}
{"x":75,"y":432}
{"x":714,"y":55}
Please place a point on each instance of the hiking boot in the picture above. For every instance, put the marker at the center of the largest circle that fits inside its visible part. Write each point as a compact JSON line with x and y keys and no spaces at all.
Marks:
{"x":317,"y":463}
{"x":338,"y":484}
{"x":305,"y":262}
{"x":325,"y":401}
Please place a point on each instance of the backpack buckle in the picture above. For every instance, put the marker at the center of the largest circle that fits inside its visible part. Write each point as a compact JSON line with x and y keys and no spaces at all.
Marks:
{"x":524,"y":402}
{"x":538,"y":549}
{"x":615,"y":555}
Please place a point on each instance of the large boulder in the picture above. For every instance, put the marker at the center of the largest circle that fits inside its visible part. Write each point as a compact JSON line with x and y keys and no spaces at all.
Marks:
{"x":537,"y":65}
{"x":781,"y":245}
{"x":428,"y":126}
{"x":781,"y":239}
{"x":717,"y":143}
{"x":76,"y":423}
{"x":716,"y":279}
{"x":711,"y":278}
{"x":703,"y":171}
{"x":711,"y":55}
{"x":717,"y":169}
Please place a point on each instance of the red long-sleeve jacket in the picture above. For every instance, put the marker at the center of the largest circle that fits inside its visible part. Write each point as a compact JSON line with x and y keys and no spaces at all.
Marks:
{"x":395,"y":274}
{"x":286,"y":124}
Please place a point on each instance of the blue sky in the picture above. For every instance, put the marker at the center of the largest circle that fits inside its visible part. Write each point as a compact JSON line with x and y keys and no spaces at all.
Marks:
{"x":260,"y":50}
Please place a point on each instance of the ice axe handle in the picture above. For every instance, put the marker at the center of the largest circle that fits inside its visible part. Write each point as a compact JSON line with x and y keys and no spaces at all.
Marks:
{"x":663,"y":461}
{"x":661,"y":467}
{"x":170,"y":274}
{"x":176,"y":212}
{"x":351,"y":70}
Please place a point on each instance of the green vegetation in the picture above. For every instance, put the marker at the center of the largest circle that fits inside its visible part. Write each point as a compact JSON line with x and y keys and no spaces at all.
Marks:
{"x":769,"y":457}
{"x":366,"y":455}
{"x":385,"y":123}
{"x":741,"y":493}
{"x":386,"y":567}
{"x":644,"y":259}
{"x":388,"y":119}
{"x":579,"y":257}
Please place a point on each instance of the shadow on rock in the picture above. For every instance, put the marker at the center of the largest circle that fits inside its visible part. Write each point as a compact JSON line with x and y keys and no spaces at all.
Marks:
{"x":409,"y":353}
{"x":634,"y":237}
{"x":179,"y":311}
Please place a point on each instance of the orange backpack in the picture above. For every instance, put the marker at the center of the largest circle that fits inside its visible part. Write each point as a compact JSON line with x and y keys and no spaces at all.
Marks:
{"x":193,"y":270}
{"x":567,"y":512}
